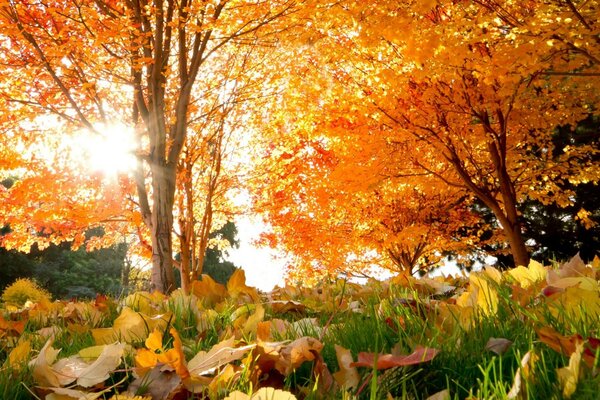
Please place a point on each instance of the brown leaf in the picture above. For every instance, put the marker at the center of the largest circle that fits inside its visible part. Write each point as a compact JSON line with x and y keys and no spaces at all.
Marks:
{"x":568,"y":344}
{"x":347,"y":376}
{"x":296,"y":353}
{"x":384,"y":361}
{"x":158,"y":384}
{"x":498,"y":345}
{"x":220,"y":354}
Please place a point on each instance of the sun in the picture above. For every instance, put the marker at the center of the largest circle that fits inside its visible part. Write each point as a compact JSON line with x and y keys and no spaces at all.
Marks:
{"x":110,"y":150}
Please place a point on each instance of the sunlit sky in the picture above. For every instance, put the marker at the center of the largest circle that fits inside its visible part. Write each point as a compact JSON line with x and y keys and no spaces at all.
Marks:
{"x":264,"y":267}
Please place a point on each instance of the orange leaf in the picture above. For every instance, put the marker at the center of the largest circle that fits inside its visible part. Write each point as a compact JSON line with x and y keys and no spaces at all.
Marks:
{"x":385,"y":361}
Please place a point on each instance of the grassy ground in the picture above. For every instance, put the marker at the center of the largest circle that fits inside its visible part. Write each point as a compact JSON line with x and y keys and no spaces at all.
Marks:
{"x":523,"y":334}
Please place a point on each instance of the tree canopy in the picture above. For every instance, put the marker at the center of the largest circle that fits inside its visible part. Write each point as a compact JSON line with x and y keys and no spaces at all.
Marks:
{"x":369,"y":133}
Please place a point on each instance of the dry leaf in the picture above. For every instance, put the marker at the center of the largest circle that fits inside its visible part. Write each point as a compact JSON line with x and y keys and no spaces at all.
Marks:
{"x":74,"y":368}
{"x":42,"y":371}
{"x":441,"y":395}
{"x":523,"y":372}
{"x":498,"y":345}
{"x":210,"y":291}
{"x":384,"y":361}
{"x":569,"y":375}
{"x":262,"y":394}
{"x":219,"y":355}
{"x":296,"y":353}
{"x":236,"y":286}
{"x":347,"y":376}
{"x":19,"y":355}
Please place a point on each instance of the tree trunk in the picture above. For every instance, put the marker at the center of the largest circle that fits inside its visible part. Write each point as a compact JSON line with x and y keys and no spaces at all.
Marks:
{"x":163,"y":195}
{"x":517,"y":245}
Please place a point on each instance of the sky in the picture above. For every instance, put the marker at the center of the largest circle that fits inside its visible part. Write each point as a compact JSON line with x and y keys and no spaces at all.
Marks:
{"x":264,"y":267}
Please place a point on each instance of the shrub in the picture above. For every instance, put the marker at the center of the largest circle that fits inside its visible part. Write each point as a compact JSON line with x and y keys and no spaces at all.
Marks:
{"x":22,"y":290}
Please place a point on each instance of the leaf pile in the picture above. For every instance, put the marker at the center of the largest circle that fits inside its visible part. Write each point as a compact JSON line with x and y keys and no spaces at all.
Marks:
{"x":339,"y":339}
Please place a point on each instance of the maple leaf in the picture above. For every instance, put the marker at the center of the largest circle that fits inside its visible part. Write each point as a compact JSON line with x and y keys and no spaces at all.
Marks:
{"x":568,"y":344}
{"x":236,"y":286}
{"x":18,"y":355}
{"x":385,"y":361}
{"x":222,"y":353}
{"x":262,"y":394}
{"x":209,"y":290}
{"x":130,"y":326}
{"x":569,"y":376}
{"x":296,"y":353}
{"x":348,"y":375}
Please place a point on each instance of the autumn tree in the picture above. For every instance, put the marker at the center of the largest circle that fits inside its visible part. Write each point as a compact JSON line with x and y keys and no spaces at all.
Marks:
{"x":467,"y":93}
{"x":95,"y":62}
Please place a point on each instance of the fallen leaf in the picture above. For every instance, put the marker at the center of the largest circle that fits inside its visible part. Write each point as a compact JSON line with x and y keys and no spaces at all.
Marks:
{"x":73,"y":394}
{"x":18,"y":355}
{"x":157,"y":384}
{"x":569,"y":376}
{"x":296,"y":353}
{"x":523,"y":372}
{"x":384,"y":361}
{"x":262,"y":394}
{"x":74,"y":368}
{"x":236,"y":286}
{"x":130,"y":326}
{"x":530,"y":276}
{"x":347,"y":376}
{"x":210,"y":291}
{"x":498,"y":345}
{"x":220,"y":354}
{"x":286,"y":306}
{"x":42,"y":371}
{"x":441,"y":395}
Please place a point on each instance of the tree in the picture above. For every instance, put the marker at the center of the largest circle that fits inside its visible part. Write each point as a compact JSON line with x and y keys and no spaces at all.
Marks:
{"x":558,"y":233}
{"x":214,"y":264}
{"x":465,"y":92}
{"x":93,"y":62}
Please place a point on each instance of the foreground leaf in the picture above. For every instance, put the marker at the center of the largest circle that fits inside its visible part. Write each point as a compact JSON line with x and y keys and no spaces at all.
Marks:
{"x":262,"y":394}
{"x":219,"y":355}
{"x":347,"y":376}
{"x":569,"y":375}
{"x":385,"y":361}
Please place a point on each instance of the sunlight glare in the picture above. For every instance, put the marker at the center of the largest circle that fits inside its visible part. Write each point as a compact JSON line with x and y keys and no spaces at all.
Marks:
{"x":110,"y":152}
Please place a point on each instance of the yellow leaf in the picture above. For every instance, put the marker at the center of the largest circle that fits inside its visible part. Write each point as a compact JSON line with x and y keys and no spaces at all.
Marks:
{"x":577,"y":304}
{"x":145,"y":360}
{"x":267,"y":393}
{"x":19,"y":354}
{"x":42,"y":372}
{"x":178,"y":362}
{"x":236,"y":286}
{"x":130,"y":326}
{"x":251,"y":324}
{"x":222,"y":380}
{"x":220,"y":354}
{"x":569,"y":375}
{"x":209,"y":290}
{"x":529,"y":276}
{"x":154,"y":340}
{"x":347,"y":376}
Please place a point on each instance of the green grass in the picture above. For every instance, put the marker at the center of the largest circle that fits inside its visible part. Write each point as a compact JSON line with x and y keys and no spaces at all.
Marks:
{"x":393,"y":319}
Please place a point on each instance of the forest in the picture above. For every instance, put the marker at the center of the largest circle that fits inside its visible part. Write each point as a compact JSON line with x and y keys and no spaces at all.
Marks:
{"x":368,"y":136}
